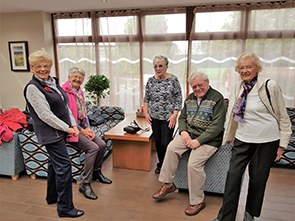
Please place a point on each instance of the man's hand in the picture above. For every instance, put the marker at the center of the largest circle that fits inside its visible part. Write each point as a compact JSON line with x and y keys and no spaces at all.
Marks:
{"x":193,"y":144}
{"x":188,"y":141}
{"x":185,"y":137}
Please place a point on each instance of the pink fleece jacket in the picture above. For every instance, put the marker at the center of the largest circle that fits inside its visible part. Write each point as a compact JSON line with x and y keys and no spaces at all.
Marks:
{"x":73,"y":106}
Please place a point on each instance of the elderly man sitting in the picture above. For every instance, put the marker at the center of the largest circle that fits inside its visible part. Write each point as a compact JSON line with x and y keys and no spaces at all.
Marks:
{"x":201,"y":127}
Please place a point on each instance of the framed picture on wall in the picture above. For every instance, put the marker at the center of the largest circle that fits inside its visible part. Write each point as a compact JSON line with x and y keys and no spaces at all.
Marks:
{"x":18,"y":53}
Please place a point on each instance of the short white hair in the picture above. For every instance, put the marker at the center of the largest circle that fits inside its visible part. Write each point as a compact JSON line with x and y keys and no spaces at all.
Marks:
{"x":198,"y":74}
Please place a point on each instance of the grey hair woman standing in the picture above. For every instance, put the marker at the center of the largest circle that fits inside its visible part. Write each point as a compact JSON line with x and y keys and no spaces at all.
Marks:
{"x":162,"y":103}
{"x":260,"y":128}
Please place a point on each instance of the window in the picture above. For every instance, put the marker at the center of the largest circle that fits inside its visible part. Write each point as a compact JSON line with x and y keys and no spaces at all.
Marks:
{"x":279,"y":19}
{"x":164,"y":24}
{"x":121,"y":25}
{"x":74,"y":27}
{"x":206,"y":38}
{"x":217,"y":59}
{"x":228,"y":21}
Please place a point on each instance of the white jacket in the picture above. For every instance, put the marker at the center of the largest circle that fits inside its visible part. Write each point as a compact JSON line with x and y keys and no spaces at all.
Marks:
{"x":277,"y":108}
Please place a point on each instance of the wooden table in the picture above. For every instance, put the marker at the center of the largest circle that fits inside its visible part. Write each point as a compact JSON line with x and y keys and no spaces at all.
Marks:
{"x":131,"y":151}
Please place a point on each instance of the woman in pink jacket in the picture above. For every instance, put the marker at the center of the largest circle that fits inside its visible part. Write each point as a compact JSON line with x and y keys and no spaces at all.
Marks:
{"x":92,"y":145}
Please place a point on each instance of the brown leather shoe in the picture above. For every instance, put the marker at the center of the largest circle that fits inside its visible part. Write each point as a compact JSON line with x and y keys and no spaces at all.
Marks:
{"x":195,"y":209}
{"x":164,"y":191}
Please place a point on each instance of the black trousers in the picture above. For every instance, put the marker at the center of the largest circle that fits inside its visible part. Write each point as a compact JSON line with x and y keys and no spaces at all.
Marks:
{"x":162,"y":135}
{"x":261,"y":158}
{"x":59,"y":179}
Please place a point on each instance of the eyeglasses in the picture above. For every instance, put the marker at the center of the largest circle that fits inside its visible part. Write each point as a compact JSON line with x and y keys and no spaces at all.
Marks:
{"x":41,"y":66}
{"x":249,"y":67}
{"x":200,"y":85}
{"x":159,"y":66}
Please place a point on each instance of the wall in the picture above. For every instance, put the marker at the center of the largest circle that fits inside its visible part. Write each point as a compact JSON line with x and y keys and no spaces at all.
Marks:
{"x":34,"y":27}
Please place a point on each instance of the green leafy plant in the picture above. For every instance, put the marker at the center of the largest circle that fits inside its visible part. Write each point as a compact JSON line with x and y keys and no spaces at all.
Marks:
{"x":98,"y":86}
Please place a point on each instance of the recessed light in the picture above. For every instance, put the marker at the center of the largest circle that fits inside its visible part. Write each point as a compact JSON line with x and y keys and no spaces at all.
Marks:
{"x":104,"y":1}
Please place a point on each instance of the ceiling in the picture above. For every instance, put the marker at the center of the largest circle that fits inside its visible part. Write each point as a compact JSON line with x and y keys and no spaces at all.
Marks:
{"x":10,"y":6}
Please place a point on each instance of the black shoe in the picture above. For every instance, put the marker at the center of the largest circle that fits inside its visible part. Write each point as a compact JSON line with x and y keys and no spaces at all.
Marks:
{"x":97,"y":175}
{"x":51,"y":202}
{"x":86,"y":189}
{"x":157,"y":170}
{"x":72,"y":213}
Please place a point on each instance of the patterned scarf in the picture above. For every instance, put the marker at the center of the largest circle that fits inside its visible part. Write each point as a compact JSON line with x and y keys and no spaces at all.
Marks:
{"x":240,"y":105}
{"x":82,"y":112}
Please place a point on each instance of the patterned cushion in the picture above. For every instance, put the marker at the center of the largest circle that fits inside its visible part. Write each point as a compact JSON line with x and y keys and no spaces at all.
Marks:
{"x":216,"y":170}
{"x":35,"y":156}
{"x":288,"y":158}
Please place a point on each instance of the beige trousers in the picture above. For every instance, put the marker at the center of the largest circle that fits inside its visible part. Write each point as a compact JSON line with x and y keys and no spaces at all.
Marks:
{"x":195,"y":167}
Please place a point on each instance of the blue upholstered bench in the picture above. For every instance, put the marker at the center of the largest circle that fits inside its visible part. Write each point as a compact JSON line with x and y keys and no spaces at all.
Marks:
{"x":216,"y":170}
{"x":35,"y":155}
{"x":11,"y":159}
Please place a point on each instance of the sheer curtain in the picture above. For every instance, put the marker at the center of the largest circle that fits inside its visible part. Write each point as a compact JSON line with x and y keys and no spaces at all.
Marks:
{"x":121,"y":45}
{"x":267,"y":29}
{"x":74,"y":45}
{"x":272,"y":35}
{"x":119,"y":56}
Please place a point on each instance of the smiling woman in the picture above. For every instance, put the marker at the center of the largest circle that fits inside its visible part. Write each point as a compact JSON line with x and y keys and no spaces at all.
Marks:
{"x":48,"y":106}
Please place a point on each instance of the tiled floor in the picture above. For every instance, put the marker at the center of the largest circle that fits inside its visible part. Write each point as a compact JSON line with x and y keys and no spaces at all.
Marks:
{"x":129,"y":199}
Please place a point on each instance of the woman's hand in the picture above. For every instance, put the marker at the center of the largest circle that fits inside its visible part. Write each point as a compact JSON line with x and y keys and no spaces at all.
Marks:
{"x":146,"y":115}
{"x":172,"y":120}
{"x":279,"y":153}
{"x":74,"y":131}
{"x":88,"y":133}
{"x":148,"y":118}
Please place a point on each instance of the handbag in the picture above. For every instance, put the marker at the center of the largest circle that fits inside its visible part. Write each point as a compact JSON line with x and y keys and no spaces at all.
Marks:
{"x":133,"y":128}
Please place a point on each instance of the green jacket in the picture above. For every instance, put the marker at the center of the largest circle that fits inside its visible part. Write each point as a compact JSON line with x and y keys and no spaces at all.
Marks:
{"x":204,"y":122}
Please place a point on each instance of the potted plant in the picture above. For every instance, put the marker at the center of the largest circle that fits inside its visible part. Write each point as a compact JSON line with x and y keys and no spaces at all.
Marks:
{"x":98,"y":87}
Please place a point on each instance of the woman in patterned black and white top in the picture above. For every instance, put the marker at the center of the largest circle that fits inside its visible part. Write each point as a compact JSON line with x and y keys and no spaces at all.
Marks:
{"x":162,"y":103}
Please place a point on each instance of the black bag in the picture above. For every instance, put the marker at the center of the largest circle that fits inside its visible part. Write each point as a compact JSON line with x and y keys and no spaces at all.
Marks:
{"x":29,"y":119}
{"x":133,"y":128}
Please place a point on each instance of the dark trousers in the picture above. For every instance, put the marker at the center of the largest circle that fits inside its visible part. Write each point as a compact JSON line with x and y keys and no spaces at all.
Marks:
{"x":59,"y":179}
{"x":162,"y":135}
{"x":261,"y":158}
{"x":94,"y":152}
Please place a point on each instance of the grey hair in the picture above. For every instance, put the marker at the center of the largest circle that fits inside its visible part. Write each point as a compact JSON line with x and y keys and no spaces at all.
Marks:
{"x":198,"y":74}
{"x":75,"y":70}
{"x":161,"y":57}
{"x":40,"y":56}
{"x":249,"y":55}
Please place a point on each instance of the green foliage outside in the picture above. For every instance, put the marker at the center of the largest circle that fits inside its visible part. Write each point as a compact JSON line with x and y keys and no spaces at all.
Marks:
{"x":98,"y":87}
